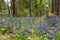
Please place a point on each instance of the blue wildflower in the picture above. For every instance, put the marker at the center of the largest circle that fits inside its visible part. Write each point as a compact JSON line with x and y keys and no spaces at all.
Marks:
{"x":56,"y":25}
{"x":50,"y":33}
{"x":19,"y":27}
{"x":46,"y":27}
{"x":29,"y":31}
{"x":2,"y":23}
{"x":51,"y":21}
{"x":43,"y":27}
{"x":55,"y":29}
{"x":50,"y":37}
{"x":57,"y":20}
{"x":30,"y":26}
{"x":39,"y":27}
{"x":41,"y":32}
{"x":23,"y":33}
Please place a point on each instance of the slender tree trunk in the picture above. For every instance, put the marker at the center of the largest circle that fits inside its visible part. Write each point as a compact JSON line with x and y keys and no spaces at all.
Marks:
{"x":13,"y":7}
{"x":36,"y":6}
{"x":30,"y":7}
{"x":57,"y":7}
{"x":40,"y":12}
{"x":8,"y":8}
{"x":58,"y":2}
{"x":18,"y":8}
{"x":53,"y":6}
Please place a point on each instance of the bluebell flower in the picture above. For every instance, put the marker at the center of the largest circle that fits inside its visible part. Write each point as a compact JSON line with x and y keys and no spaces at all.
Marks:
{"x":53,"y":18}
{"x":18,"y":27}
{"x":46,"y":27}
{"x":51,"y":21}
{"x":56,"y":25}
{"x":57,"y":20}
{"x":11,"y":20}
{"x":47,"y":19}
{"x":50,"y":37}
{"x":50,"y":33}
{"x":39,"y":27}
{"x":49,"y":24}
{"x":41,"y":32}
{"x":43,"y":27}
{"x":55,"y":29}
{"x":23,"y":33}
{"x":29,"y":31}
{"x":2,"y":23}
{"x":30,"y":26}
{"x":27,"y":22}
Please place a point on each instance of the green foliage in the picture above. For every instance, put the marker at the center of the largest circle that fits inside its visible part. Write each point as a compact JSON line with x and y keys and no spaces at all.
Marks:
{"x":37,"y":7}
{"x":2,"y":5}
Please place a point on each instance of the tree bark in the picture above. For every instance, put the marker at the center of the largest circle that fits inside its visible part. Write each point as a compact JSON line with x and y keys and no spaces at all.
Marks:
{"x":36,"y":7}
{"x":57,"y":6}
{"x":18,"y":14}
{"x":13,"y":7}
{"x":53,"y":6}
{"x":30,"y":7}
{"x":40,"y":13}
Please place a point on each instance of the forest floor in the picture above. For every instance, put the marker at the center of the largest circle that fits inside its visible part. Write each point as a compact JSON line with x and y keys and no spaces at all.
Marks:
{"x":24,"y":23}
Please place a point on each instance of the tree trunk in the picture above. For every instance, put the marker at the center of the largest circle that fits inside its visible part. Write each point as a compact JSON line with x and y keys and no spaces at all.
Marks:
{"x":58,"y":2}
{"x":13,"y":7}
{"x":40,"y":12}
{"x":18,"y":14}
{"x":57,"y":7}
{"x":53,"y":6}
{"x":36,"y":7}
{"x":30,"y":7}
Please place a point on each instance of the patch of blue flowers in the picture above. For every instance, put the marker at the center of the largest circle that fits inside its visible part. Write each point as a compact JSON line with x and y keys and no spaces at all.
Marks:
{"x":29,"y":25}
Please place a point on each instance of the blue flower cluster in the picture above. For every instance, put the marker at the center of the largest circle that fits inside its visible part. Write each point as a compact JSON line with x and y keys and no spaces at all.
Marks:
{"x":50,"y":28}
{"x":26,"y":32}
{"x":52,"y":21}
